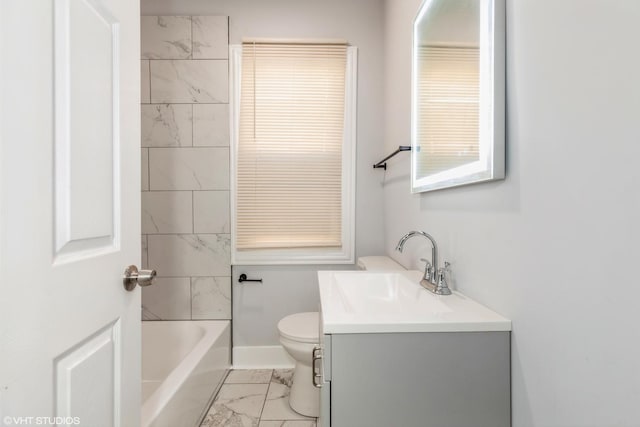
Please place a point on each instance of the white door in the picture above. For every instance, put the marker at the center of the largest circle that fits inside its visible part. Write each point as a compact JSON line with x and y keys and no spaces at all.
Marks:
{"x":70,"y":212}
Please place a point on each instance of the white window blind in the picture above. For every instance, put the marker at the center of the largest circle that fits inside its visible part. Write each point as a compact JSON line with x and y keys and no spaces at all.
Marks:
{"x":290,"y":145}
{"x":448,"y":108}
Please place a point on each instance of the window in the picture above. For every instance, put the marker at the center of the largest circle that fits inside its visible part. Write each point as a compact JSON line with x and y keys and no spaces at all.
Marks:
{"x":293,"y":151}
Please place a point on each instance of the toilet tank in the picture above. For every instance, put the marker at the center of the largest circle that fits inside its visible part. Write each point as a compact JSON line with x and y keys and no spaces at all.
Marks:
{"x":378,"y":263}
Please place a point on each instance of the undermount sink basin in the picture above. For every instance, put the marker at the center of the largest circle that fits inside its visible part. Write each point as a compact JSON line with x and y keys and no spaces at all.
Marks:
{"x":371,"y":302}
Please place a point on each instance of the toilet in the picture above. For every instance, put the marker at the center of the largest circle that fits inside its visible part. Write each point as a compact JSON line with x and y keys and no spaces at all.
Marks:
{"x":299,"y":335}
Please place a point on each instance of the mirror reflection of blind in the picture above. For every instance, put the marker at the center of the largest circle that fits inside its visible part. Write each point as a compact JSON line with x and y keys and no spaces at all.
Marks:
{"x":448,"y":108}
{"x":289,"y":161}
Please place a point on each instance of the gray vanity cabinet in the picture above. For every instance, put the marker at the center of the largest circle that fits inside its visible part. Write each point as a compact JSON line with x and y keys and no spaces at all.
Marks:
{"x":425,"y":379}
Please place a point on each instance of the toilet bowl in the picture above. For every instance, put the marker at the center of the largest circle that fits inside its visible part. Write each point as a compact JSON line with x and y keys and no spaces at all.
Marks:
{"x":298,"y":336}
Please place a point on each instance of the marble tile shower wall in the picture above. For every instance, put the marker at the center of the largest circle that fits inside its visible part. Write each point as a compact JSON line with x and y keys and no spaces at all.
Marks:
{"x":185,"y":167}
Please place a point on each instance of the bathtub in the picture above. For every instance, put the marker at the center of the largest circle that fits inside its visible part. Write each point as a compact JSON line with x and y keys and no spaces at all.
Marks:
{"x":183,"y":365}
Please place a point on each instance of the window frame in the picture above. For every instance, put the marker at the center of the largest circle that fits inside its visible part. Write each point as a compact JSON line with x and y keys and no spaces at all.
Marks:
{"x":342,"y":255}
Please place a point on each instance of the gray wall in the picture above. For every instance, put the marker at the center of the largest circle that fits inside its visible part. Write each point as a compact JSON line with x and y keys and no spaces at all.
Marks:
{"x":258,"y":308}
{"x":554,"y":247}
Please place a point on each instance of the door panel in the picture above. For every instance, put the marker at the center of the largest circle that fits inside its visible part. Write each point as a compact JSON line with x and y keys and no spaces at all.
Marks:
{"x":86,"y":95}
{"x":86,"y":378}
{"x":69,"y":210}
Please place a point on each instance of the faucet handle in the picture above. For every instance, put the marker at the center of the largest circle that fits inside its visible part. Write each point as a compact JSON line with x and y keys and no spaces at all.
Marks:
{"x":442,"y":271}
{"x":441,"y":285}
{"x":429,"y":270}
{"x":428,"y":267}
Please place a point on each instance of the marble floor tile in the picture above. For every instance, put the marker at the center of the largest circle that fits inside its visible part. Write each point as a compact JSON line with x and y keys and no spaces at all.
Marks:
{"x":237,"y":405}
{"x":287,"y":423}
{"x":277,"y":406}
{"x":222,"y":416}
{"x":283,"y":376}
{"x":249,"y":376}
{"x":256,"y":398}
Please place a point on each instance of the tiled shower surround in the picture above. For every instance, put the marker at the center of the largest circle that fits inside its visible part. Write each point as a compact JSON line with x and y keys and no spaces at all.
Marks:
{"x":185,"y":167}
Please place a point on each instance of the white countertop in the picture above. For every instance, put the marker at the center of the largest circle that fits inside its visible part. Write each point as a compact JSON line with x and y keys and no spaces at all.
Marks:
{"x":394,"y":301}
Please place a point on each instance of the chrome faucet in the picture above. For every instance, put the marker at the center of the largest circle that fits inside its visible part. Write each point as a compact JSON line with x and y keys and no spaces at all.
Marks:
{"x":434,"y":278}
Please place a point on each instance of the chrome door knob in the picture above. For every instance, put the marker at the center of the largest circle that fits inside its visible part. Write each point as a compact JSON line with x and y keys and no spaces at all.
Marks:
{"x":133,"y":277}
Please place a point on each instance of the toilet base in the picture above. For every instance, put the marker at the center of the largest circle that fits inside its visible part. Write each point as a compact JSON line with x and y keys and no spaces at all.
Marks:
{"x":304,"y":397}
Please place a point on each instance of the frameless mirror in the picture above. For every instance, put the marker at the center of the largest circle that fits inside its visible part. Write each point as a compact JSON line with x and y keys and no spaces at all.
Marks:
{"x":458,"y":88}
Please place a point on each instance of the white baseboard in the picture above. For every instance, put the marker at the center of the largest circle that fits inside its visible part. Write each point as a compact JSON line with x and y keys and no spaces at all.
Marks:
{"x":262,"y":357}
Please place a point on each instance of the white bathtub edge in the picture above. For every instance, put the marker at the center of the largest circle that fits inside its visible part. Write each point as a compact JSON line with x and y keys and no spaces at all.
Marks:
{"x":215,"y":338}
{"x":262,"y":357}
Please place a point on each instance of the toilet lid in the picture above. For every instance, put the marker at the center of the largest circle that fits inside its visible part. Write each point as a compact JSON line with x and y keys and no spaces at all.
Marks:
{"x":301,"y":327}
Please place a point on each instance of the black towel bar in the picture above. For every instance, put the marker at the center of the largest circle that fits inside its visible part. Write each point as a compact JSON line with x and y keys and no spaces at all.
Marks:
{"x":383,"y":163}
{"x":243,"y":278}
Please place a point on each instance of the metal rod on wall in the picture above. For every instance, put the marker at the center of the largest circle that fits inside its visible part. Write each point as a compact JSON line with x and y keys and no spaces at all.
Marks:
{"x":243,"y":278}
{"x":382,"y":163}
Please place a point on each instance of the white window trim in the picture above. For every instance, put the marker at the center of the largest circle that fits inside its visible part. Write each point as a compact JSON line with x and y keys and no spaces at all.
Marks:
{"x":343,"y":255}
